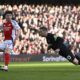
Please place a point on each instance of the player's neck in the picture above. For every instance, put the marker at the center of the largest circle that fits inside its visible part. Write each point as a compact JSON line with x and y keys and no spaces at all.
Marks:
{"x":8,"y":20}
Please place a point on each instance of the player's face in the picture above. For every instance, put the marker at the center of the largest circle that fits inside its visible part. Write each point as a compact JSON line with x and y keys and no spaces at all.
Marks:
{"x":8,"y":17}
{"x":42,"y":33}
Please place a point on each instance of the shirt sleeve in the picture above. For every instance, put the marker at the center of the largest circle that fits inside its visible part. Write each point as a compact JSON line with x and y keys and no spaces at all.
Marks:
{"x":1,"y":26}
{"x":15,"y":25}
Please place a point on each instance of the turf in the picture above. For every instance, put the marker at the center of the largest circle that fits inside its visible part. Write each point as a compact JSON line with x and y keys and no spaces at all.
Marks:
{"x":41,"y":71}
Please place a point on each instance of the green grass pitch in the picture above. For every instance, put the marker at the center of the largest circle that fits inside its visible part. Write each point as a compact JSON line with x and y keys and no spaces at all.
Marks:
{"x":41,"y":71}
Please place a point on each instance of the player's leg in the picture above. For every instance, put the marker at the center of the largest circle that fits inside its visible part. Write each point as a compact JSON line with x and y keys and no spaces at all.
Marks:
{"x":65,"y":52}
{"x":77,"y":55}
{"x":6,"y":58}
{"x":9,"y":47}
{"x":2,"y":48}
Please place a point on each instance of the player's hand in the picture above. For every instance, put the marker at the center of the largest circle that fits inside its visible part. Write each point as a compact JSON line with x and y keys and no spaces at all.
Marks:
{"x":75,"y":61}
{"x":50,"y":51}
{"x":57,"y":50}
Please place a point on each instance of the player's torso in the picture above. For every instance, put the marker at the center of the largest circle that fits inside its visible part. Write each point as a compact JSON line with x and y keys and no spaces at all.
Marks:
{"x":54,"y":41}
{"x":7,"y":29}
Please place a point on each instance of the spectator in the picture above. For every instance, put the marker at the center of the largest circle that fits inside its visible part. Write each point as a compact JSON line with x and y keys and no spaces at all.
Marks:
{"x":63,"y":21}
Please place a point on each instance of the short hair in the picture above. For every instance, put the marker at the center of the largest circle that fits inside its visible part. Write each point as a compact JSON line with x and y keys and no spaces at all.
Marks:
{"x":7,"y":12}
{"x":43,"y":28}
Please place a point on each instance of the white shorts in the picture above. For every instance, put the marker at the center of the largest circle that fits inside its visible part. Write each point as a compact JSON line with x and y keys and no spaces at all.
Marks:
{"x":6,"y":44}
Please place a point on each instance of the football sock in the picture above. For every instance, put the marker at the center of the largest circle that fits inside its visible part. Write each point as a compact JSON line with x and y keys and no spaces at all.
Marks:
{"x":6,"y":58}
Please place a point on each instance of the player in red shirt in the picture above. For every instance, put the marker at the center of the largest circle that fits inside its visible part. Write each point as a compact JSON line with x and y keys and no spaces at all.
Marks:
{"x":11,"y":31}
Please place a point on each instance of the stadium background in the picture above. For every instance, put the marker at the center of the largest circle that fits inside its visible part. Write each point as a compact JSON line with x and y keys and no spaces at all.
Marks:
{"x":63,"y":14}
{"x":59,"y":16}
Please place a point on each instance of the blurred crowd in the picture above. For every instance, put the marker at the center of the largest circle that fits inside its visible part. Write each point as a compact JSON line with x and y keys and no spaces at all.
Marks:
{"x":63,"y":21}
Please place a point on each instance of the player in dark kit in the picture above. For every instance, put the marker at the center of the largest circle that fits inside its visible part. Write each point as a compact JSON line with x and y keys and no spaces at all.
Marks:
{"x":58,"y":43}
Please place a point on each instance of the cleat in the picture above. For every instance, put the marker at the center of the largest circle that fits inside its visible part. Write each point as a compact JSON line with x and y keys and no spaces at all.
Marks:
{"x":3,"y":68}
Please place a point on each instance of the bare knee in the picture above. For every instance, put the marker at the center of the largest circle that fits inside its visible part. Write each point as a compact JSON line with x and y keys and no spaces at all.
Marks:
{"x":7,"y":50}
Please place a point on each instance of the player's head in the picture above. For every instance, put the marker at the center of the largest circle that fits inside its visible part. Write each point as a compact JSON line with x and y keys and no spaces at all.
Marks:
{"x":43,"y":31}
{"x":8,"y":15}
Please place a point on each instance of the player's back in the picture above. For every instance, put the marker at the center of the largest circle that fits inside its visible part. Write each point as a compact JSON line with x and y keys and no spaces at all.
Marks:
{"x":54,"y":41}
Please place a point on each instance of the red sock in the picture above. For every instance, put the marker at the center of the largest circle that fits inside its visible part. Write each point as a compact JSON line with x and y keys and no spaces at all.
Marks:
{"x":6,"y":58}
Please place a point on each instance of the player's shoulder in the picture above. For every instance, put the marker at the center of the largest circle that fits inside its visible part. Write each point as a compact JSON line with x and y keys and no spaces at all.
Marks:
{"x":50,"y":34}
{"x":14,"y":22}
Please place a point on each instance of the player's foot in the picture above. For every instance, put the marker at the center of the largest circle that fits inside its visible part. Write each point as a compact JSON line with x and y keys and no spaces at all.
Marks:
{"x":4,"y":68}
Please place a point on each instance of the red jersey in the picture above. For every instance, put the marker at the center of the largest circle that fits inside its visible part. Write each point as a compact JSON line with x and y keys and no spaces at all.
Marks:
{"x":7,"y":29}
